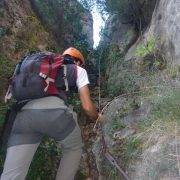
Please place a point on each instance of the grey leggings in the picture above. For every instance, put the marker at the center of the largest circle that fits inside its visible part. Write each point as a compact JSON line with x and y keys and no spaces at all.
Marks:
{"x":20,"y":154}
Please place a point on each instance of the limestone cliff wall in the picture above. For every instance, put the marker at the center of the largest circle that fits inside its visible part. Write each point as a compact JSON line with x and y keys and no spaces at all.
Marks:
{"x":164,"y":29}
{"x":68,"y":21}
{"x":142,"y":77}
{"x":20,"y":30}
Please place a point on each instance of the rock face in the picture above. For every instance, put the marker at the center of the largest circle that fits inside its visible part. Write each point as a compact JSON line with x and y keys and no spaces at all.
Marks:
{"x":165,"y":29}
{"x":87,"y":26}
{"x":67,"y":20}
{"x":138,"y":131}
{"x":121,"y":28}
{"x":20,"y":30}
{"x":155,"y":165}
{"x":118,"y":33}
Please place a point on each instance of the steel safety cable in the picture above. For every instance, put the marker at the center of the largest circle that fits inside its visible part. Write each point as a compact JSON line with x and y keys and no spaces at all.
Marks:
{"x":106,"y":153}
{"x":99,"y":71}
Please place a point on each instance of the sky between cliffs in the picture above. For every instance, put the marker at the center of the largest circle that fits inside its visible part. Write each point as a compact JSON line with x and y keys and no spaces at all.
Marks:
{"x":98,"y":24}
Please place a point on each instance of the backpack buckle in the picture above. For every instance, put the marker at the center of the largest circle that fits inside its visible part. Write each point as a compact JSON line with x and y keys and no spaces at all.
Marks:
{"x":48,"y":80}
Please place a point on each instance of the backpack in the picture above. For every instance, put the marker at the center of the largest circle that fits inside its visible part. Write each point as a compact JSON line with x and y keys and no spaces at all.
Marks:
{"x":35,"y":76}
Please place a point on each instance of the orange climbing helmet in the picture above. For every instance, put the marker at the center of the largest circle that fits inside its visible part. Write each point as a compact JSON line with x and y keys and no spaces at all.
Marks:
{"x":74,"y":53}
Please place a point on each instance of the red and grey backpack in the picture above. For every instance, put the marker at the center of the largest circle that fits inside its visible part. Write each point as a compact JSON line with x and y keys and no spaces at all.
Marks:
{"x":42,"y":74}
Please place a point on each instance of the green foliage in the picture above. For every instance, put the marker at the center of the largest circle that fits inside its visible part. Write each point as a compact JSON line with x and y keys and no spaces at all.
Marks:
{"x":115,"y":6}
{"x":6,"y":70}
{"x":19,"y":45}
{"x":108,"y":55}
{"x":116,"y":125}
{"x":145,"y":49}
{"x":29,"y":37}
{"x":3,"y":110}
{"x":113,"y":173}
{"x":47,"y":10}
{"x":6,"y":67}
{"x":115,"y":53}
{"x":45,"y":161}
{"x":64,"y":20}
{"x":2,"y":156}
{"x":1,"y":119}
{"x":173,"y":71}
{"x":151,"y":57}
{"x":120,"y":78}
{"x":132,"y":147}
{"x":74,"y":101}
{"x":72,"y":23}
{"x":82,"y":45}
{"x":165,"y":105}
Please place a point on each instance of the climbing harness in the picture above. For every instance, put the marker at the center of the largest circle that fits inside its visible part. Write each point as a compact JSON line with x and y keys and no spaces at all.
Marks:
{"x":98,"y":127}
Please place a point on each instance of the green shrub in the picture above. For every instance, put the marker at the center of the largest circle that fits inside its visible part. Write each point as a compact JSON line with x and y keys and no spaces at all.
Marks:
{"x":123,"y":82}
{"x":116,"y":125}
{"x":147,"y":48}
{"x":3,"y":109}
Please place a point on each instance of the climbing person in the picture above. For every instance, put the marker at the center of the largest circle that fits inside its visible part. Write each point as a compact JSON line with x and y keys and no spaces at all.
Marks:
{"x":49,"y":114}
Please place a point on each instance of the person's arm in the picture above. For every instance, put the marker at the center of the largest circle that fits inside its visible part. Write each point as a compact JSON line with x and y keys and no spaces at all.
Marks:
{"x":87,"y":104}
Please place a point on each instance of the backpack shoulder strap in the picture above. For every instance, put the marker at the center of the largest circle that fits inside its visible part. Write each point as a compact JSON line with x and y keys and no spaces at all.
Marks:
{"x":65,"y":77}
